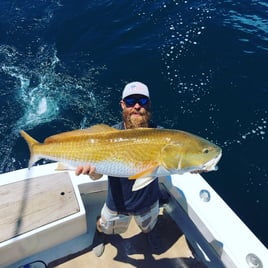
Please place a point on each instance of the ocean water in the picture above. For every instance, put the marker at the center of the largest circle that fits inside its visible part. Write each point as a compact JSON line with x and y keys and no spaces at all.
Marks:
{"x":65,"y":63}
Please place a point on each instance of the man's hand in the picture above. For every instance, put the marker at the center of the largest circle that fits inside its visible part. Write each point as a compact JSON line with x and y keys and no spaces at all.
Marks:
{"x":88,"y":170}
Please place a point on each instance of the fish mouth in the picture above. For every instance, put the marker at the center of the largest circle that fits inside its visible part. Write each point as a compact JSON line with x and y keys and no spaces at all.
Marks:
{"x":212,"y":164}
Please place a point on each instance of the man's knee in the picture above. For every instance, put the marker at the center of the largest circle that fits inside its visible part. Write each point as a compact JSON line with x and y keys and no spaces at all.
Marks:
{"x":111,"y":222}
{"x":112,"y":227}
{"x":148,"y":219}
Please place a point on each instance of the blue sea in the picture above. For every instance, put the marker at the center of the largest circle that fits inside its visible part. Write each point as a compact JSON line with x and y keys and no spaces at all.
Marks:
{"x":64,"y":64}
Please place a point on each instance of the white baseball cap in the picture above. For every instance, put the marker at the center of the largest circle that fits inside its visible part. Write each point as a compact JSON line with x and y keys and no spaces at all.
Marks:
{"x":135,"y":88}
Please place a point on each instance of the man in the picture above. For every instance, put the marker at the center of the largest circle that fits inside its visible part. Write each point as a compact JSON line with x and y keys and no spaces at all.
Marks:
{"x":122,"y":203}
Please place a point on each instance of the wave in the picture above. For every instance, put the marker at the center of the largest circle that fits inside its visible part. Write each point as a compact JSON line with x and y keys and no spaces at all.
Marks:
{"x":42,"y":91}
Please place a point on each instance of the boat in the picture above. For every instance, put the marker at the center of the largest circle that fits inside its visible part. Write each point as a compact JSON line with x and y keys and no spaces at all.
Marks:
{"x":48,"y":219}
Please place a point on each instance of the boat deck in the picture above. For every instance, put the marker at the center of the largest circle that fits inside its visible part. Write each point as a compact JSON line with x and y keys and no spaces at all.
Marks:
{"x":132,"y":249}
{"x":189,"y":208}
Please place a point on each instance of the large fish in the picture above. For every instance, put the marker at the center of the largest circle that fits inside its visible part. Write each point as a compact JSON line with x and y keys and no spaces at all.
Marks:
{"x":142,"y":153}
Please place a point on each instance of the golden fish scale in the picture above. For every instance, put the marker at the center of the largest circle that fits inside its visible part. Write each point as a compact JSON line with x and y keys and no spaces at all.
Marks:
{"x":135,"y":146}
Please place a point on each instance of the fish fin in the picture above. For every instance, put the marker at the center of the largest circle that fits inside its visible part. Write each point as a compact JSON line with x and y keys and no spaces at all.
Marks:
{"x":31,"y":143}
{"x":144,"y":173}
{"x":62,"y":166}
{"x":100,"y":128}
{"x":78,"y":132}
{"x":65,"y":135}
{"x":141,"y":183}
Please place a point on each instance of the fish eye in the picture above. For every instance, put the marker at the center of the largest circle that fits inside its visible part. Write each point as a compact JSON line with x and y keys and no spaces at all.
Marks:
{"x":206,"y":151}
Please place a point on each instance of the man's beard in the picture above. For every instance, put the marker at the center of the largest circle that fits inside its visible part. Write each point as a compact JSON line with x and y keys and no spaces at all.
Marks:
{"x":135,"y":122}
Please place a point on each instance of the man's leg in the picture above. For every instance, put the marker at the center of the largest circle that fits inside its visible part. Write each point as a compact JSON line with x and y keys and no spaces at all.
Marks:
{"x":110,"y":223}
{"x":147,"y":221}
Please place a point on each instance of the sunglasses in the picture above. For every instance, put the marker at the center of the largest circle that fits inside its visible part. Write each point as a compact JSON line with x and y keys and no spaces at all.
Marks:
{"x":131,"y":101}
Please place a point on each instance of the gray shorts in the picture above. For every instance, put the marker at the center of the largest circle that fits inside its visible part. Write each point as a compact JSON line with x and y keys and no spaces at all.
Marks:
{"x":111,"y":222}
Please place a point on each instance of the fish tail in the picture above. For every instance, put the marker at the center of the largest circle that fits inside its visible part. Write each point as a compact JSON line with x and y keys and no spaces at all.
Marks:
{"x":31,"y":143}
